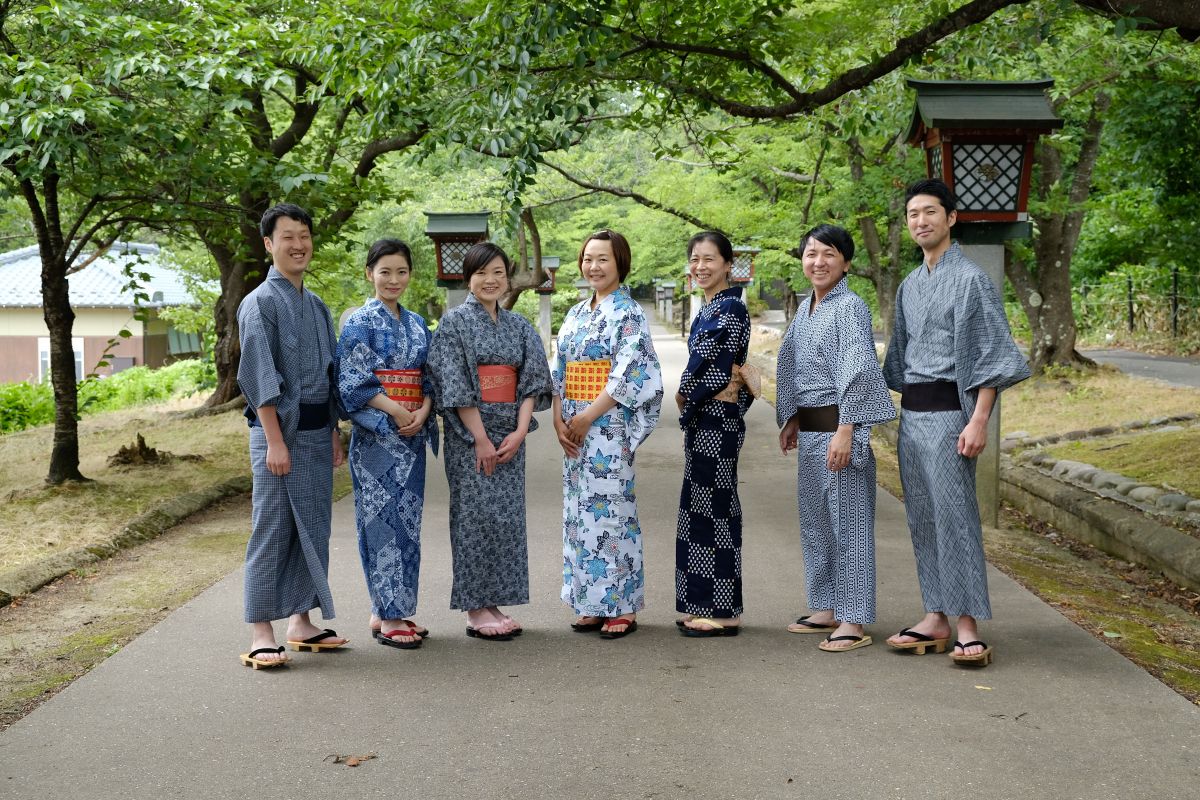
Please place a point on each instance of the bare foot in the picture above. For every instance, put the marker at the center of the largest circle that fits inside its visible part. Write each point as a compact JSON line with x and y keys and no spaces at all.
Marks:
{"x":300,"y":627}
{"x":263,"y":635}
{"x":486,"y":624}
{"x":619,"y":624}
{"x":814,"y":622}
{"x":968,"y":631}
{"x":845,"y":629}
{"x":934,"y":625}
{"x":514,"y":627}
{"x":702,"y":623}
{"x":400,"y":630}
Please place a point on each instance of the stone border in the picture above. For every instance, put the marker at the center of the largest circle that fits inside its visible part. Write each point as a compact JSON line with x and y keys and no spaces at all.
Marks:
{"x":31,"y":577}
{"x":1113,"y":527}
{"x":1173,"y":504}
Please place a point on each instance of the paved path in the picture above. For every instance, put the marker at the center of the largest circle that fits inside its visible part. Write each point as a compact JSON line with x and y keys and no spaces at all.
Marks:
{"x":557,"y":714}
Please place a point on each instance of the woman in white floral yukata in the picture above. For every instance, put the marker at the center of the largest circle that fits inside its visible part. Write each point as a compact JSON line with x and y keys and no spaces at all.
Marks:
{"x":608,"y":391}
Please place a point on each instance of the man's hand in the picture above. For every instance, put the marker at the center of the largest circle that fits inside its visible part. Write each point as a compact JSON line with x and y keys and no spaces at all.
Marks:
{"x":279,"y":460}
{"x":339,"y":454}
{"x":973,"y":438}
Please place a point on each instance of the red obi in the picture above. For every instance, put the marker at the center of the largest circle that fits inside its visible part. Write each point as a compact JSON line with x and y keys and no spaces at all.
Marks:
{"x":403,"y":386}
{"x":498,"y":383}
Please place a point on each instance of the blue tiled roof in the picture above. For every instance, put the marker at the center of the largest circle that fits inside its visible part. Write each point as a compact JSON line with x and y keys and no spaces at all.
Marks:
{"x":99,"y":285}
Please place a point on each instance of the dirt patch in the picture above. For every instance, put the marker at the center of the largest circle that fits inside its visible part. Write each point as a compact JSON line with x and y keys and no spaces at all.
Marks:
{"x":53,"y":636}
{"x":139,"y":454}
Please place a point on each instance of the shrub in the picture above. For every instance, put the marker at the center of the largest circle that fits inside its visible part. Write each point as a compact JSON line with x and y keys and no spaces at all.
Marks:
{"x":24,"y":405}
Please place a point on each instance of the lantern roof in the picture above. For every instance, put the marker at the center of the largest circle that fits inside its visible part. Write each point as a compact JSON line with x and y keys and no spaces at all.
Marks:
{"x":981,"y":104}
{"x":456,"y":223}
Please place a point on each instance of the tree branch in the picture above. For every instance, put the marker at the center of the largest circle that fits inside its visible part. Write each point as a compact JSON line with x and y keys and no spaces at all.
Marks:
{"x":618,"y":191}
{"x":804,"y":102}
{"x":302,"y":119}
{"x":366,"y":163}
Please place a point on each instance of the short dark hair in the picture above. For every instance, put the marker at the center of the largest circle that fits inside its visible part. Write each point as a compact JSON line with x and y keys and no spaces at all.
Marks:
{"x":935,"y":187}
{"x":620,"y":248}
{"x":724,"y":246}
{"x":480,"y":255}
{"x":836,"y":237}
{"x":290,"y":210}
{"x":388,"y":247}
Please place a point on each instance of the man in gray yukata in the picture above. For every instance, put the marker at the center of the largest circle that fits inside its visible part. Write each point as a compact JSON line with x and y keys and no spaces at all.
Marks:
{"x":950,"y":355}
{"x":288,"y":347}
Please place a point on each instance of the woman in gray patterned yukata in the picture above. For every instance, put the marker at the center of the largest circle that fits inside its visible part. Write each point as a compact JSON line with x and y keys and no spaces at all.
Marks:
{"x":489,"y":375}
{"x":830,"y":393}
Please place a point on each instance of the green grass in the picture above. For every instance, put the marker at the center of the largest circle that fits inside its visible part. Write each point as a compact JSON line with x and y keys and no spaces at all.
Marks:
{"x":1164,"y":458}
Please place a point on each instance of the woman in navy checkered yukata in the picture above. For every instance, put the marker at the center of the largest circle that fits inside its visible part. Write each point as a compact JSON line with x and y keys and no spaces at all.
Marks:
{"x":713,"y":400}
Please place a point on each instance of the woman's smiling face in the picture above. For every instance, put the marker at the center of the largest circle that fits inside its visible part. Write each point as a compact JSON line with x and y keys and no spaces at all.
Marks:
{"x":490,"y":282}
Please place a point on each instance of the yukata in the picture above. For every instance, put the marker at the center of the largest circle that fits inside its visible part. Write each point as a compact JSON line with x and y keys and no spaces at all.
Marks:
{"x":603,"y":574}
{"x":828,"y":359}
{"x":487,"y":513}
{"x":950,"y":328}
{"x":388,"y":470}
{"x":288,"y":346}
{"x":708,"y":529}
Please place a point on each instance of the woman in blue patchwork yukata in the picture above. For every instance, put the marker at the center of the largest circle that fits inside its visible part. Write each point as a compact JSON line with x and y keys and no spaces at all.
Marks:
{"x":383,"y":386}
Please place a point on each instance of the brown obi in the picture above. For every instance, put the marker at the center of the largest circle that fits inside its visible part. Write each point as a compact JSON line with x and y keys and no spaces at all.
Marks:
{"x":743,"y":375}
{"x":818,"y":419}
{"x":935,"y":396}
{"x":497,"y":383}
{"x":586,"y":379}
{"x":403,"y":386}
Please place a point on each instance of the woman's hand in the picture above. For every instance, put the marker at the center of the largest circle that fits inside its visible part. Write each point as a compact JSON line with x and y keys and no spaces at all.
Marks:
{"x":400,"y":415}
{"x":837,"y":457}
{"x":416,"y":422}
{"x":578,"y":427}
{"x":680,"y":401}
{"x":485,"y":455}
{"x":787,"y":436}
{"x":564,"y":440}
{"x":510,"y":446}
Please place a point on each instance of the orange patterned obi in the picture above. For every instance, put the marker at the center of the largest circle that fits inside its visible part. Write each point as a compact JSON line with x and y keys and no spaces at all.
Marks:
{"x":587,"y":379}
{"x":403,"y":386}
{"x":498,"y":383}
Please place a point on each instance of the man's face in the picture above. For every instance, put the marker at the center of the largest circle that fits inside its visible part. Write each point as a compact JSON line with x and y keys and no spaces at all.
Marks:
{"x":290,"y":246}
{"x":928,"y":222}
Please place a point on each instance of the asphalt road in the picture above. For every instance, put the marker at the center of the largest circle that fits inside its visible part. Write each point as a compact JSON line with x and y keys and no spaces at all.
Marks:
{"x":556,"y":714}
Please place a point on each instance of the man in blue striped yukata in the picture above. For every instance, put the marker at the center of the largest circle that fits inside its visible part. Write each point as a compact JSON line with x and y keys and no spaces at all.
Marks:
{"x":950,"y":355}
{"x":288,"y":347}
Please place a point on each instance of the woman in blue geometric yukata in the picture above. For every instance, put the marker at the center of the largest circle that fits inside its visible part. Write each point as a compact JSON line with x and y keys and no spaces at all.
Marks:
{"x":608,"y":391}
{"x":713,"y":399}
{"x":489,"y":375}
{"x":380,"y":371}
{"x":830,"y":392}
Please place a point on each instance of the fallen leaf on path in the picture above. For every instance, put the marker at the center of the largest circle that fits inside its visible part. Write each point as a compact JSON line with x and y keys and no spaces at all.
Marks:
{"x":985,"y":688}
{"x":349,"y":761}
{"x":1112,"y":635}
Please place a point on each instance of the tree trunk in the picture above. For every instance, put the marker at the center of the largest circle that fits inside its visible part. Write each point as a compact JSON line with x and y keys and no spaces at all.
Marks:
{"x":529,"y":273}
{"x":60,"y":320}
{"x":241,"y":271}
{"x":1046,"y":296}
